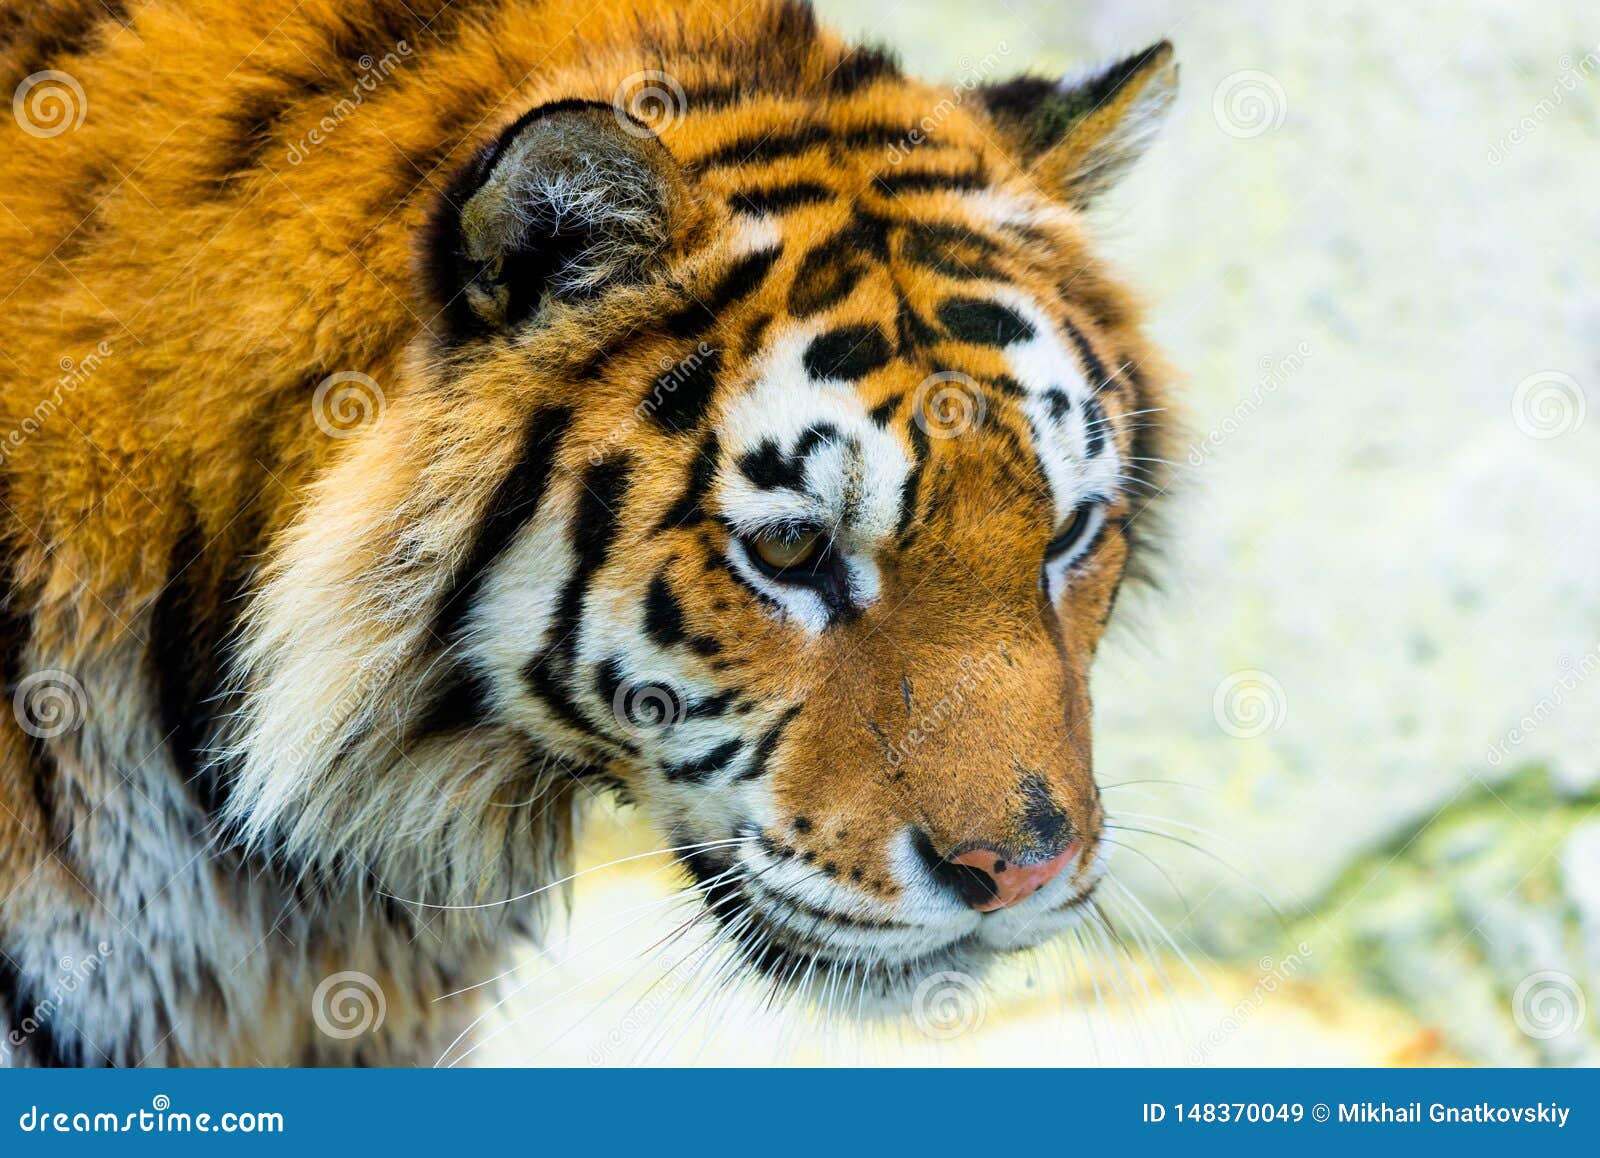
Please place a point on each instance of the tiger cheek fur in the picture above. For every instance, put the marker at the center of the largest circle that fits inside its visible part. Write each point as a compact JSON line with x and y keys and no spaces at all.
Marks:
{"x":348,"y":689}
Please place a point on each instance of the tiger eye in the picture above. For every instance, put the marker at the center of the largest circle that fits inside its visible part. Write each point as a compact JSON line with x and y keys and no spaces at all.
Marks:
{"x":1072,"y":528}
{"x":782,"y":552}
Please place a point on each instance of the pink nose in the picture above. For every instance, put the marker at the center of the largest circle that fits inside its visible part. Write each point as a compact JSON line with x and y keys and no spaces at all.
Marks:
{"x":1013,"y":883}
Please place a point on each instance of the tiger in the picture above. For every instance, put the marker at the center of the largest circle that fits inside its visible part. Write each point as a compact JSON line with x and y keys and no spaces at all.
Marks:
{"x":422,"y":419}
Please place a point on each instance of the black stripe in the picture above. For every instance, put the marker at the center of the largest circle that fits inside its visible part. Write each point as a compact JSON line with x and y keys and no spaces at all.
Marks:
{"x":715,"y":96}
{"x":59,"y":30}
{"x":1010,"y":387}
{"x":849,"y":353}
{"x":910,"y":330}
{"x":983,"y":322}
{"x":861,"y":66}
{"x":681,"y":396}
{"x":825,"y":278}
{"x":769,"y":146}
{"x":867,"y":234}
{"x":754,"y":331}
{"x":1094,"y":425}
{"x":712,"y":706}
{"x":539,"y":676}
{"x":183,"y":645}
{"x":922,"y":180}
{"x":326,"y":70}
{"x":793,"y":30}
{"x":1146,"y":449}
{"x":463,"y":701}
{"x":608,"y":682}
{"x":780,"y":198}
{"x":952,"y":252}
{"x":596,"y":522}
{"x":952,"y":233}
{"x":942,"y":489}
{"x":883,"y":411}
{"x":249,"y":126}
{"x":689,"y":509}
{"x":908,"y":489}
{"x":741,"y":280}
{"x":16,"y":629}
{"x":767,"y":745}
{"x":19,"y":1005}
{"x":1018,"y":457}
{"x":52,"y":1051}
{"x":1099,"y":376}
{"x":59,"y":822}
{"x":514,"y":502}
{"x":702,"y":768}
{"x":875,"y":137}
{"x":663,"y":615}
{"x":723,"y":563}
{"x":769,"y":468}
{"x":832,"y":269}
{"x":10,"y":995}
{"x":594,"y":527}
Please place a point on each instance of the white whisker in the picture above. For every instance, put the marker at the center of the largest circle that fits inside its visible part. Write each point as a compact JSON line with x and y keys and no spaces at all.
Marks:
{"x":572,"y":877}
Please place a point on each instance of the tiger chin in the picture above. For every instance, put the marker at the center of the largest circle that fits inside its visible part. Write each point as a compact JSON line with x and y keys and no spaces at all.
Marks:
{"x":422,"y":418}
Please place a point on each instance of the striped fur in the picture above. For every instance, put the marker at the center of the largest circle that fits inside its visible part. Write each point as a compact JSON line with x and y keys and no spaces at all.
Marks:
{"x":321,"y":683}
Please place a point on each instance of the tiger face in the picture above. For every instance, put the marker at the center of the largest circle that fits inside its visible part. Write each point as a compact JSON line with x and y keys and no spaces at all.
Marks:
{"x":777,"y":470}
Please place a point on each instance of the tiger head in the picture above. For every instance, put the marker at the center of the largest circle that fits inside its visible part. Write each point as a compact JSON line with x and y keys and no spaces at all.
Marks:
{"x":775,"y":464}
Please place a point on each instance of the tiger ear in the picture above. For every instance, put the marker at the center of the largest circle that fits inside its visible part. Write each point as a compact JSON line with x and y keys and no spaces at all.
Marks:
{"x":572,"y":198}
{"x":1079,"y":135}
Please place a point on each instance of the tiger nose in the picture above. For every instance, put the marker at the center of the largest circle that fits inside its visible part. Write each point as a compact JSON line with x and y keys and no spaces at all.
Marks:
{"x":996,"y":883}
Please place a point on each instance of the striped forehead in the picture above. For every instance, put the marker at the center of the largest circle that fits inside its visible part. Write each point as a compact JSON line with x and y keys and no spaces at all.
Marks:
{"x":1061,"y":398}
{"x":801,"y":444}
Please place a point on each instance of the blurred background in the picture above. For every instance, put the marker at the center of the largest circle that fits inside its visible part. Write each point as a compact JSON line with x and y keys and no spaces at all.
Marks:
{"x":1353,"y":742}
